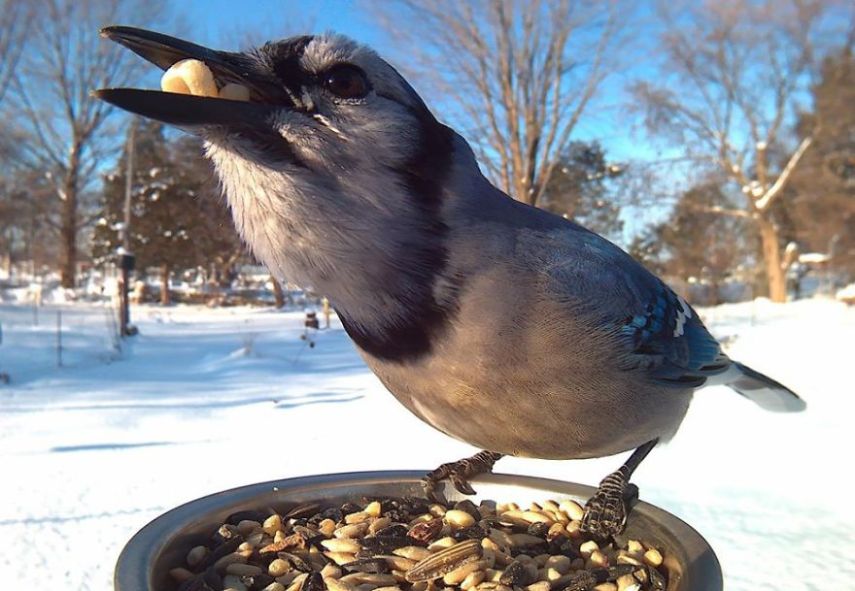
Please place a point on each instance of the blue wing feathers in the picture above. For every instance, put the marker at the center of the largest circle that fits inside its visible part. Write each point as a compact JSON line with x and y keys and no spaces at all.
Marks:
{"x":670,"y":332}
{"x":663,"y":335}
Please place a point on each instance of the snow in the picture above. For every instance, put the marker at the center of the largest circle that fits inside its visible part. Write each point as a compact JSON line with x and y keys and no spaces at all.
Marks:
{"x":814,"y":257}
{"x":207,"y":399}
{"x":846,"y":293}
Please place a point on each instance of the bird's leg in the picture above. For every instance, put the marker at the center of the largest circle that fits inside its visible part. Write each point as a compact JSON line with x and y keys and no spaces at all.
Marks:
{"x":605,"y":512}
{"x":460,"y":472}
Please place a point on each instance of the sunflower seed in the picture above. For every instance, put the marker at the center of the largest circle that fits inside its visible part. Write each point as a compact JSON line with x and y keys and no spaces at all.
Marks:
{"x":233,"y":583}
{"x":376,"y":564}
{"x":458,"y":519}
{"x":457,"y":576}
{"x":337,"y":585}
{"x":408,"y":545}
{"x":445,"y":561}
{"x":415,"y":553}
{"x":196,"y":555}
{"x":342,"y":545}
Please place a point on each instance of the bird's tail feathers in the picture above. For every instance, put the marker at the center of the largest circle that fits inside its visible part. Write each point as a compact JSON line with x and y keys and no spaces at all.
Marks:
{"x":760,"y":389}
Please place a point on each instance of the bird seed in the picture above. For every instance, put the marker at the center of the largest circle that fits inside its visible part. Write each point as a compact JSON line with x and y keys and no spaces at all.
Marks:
{"x":409,"y":544}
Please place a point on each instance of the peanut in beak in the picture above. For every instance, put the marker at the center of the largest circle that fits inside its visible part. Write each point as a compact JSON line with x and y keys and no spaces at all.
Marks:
{"x":194,"y":77}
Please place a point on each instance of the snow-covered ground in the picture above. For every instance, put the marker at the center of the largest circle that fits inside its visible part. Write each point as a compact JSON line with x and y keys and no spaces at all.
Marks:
{"x":204,"y":400}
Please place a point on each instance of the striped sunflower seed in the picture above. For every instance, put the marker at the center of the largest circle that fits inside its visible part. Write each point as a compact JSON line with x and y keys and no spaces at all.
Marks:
{"x":445,"y":561}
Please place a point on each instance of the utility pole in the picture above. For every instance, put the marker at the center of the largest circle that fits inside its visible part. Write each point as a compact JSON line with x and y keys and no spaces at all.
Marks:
{"x":126,"y":257}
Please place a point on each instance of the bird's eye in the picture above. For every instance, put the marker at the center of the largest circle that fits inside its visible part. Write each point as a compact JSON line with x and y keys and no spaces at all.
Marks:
{"x":346,"y":81}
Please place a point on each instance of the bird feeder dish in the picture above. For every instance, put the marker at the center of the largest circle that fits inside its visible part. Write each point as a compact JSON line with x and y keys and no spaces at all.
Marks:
{"x":145,"y":562}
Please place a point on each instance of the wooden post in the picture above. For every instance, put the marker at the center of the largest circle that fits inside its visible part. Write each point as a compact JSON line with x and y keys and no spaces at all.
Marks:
{"x":126,"y":258}
{"x":326,"y":309}
{"x":165,"y":299}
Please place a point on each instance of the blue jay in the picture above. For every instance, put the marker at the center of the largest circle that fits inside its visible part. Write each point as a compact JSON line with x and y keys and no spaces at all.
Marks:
{"x":497,"y":323}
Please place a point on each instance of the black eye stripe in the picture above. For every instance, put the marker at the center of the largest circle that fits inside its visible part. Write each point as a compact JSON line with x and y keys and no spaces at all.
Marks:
{"x":285,"y":58}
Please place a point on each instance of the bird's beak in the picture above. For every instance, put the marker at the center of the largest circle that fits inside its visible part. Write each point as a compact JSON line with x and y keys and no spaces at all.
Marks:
{"x":186,"y":110}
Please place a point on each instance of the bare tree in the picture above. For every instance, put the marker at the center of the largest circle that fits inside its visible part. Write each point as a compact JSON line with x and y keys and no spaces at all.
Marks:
{"x":65,"y":131}
{"x":586,"y":187}
{"x":24,"y":206}
{"x":688,"y":247}
{"x":732,"y":78}
{"x":823,"y":199}
{"x":520,"y":73}
{"x":15,"y":19}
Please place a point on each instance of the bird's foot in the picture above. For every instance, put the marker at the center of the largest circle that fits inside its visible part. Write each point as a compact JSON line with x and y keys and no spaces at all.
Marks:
{"x":606,"y":512}
{"x":460,"y":472}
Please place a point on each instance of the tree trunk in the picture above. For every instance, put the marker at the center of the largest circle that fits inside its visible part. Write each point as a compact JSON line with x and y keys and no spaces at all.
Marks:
{"x":68,"y":225}
{"x":776,"y":277}
{"x":715,"y":289}
{"x":68,"y":234}
{"x":523,"y":189}
{"x":278,"y":294}
{"x":165,"y":300}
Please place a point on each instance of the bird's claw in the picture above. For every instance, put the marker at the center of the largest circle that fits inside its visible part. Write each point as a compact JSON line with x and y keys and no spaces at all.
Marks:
{"x":459,"y":473}
{"x":606,"y":511}
{"x":461,"y":484}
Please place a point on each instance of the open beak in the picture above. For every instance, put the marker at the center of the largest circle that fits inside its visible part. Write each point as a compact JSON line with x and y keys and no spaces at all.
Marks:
{"x":186,"y":110}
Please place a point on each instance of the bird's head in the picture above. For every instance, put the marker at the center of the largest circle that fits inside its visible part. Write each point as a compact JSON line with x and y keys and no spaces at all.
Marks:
{"x":334,"y":168}
{"x":323,"y":101}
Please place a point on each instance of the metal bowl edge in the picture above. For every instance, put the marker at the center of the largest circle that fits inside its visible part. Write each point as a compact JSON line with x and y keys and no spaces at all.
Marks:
{"x":692,"y":565}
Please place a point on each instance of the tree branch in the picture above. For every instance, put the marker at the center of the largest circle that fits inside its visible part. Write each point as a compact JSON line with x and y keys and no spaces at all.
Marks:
{"x":734,"y":213}
{"x":769,"y":196}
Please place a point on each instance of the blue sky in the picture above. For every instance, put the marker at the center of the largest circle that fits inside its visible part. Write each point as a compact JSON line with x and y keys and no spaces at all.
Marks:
{"x":225,"y":24}
{"x":217,"y":20}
